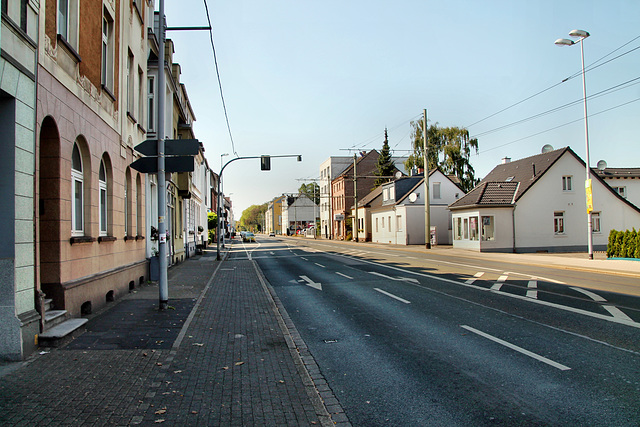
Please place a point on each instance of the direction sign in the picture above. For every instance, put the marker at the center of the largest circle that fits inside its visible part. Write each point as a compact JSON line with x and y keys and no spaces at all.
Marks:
{"x":172,"y":147}
{"x":171,"y":164}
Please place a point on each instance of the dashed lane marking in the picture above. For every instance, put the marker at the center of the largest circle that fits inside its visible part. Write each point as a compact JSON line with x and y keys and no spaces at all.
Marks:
{"x":392,"y":296}
{"x":319,"y":265}
{"x":498,"y":284}
{"x":516,"y":348}
{"x":533,"y":289}
{"x":344,"y":275}
{"x":475,"y":277}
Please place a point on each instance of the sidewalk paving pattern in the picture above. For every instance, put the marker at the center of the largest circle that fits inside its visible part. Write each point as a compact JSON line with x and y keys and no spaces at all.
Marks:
{"x":220,"y":356}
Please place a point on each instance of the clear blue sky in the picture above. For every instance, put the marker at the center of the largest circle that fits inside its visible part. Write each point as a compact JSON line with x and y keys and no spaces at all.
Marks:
{"x":318,"y":77}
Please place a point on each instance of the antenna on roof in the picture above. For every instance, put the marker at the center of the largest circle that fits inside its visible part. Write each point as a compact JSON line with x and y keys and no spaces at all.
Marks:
{"x":602,"y":165}
{"x":547,"y":148}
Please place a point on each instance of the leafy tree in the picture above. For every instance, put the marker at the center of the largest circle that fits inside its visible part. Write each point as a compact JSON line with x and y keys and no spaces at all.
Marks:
{"x":385,"y":166}
{"x":312,"y":191}
{"x":253,"y":217}
{"x":448,"y":148}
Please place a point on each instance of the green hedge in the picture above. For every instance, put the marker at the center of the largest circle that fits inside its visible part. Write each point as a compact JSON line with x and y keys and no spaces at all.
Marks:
{"x":624,"y":244}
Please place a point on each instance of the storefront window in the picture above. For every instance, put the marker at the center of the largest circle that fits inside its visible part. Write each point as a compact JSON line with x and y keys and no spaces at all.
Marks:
{"x":487,"y":228}
{"x":466,"y":229}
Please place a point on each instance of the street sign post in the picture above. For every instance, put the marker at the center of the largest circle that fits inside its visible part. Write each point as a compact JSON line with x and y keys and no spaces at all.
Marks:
{"x":178,"y":155}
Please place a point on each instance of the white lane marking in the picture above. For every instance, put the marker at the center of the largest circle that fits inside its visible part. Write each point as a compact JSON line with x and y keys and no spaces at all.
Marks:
{"x":590,"y":294}
{"x":392,"y":296}
{"x":496,"y":286}
{"x":397,"y":279}
{"x":272,"y":253}
{"x":587,"y":313}
{"x":344,"y":275}
{"x":304,"y":258}
{"x":475,"y":277}
{"x":516,"y":348}
{"x":319,"y":265}
{"x":533,"y":289}
{"x":311,"y":283}
{"x":616,"y":312}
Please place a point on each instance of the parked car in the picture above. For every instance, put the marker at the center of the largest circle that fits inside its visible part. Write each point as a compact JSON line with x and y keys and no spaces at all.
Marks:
{"x":249,"y":237}
{"x":272,"y":234}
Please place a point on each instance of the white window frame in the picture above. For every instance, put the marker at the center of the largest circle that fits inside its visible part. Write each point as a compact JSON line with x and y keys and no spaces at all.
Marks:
{"x":567,"y":183}
{"x":436,"y":190}
{"x":140,"y":96}
{"x":622,"y":191}
{"x":67,"y":21}
{"x":558,"y":223}
{"x":107,"y":51}
{"x":130,"y":85}
{"x":151,"y":103}
{"x":77,"y":177}
{"x":595,"y":222}
{"x":103,"y":203}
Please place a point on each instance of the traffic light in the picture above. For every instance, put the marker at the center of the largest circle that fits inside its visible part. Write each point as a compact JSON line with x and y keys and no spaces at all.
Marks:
{"x":265,"y":163}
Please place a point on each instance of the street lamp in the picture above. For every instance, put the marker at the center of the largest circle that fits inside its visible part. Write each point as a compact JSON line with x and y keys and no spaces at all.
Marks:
{"x":588,"y":189}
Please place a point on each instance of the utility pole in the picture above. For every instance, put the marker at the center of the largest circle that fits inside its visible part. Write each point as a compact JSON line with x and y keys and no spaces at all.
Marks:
{"x":163,"y":287}
{"x":427,"y":219}
{"x":354,"y":226}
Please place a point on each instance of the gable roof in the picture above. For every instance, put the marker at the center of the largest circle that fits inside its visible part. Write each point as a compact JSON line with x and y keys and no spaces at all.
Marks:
{"x":494,"y":191}
{"x":367,"y":200}
{"x":349,"y":169}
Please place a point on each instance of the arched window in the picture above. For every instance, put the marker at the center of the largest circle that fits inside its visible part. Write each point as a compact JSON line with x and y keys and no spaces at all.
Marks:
{"x":102,"y":199}
{"x":77,"y":190}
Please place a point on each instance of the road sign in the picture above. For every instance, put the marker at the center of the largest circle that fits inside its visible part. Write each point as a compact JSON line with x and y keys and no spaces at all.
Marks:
{"x":171,"y":164}
{"x":172,"y":147}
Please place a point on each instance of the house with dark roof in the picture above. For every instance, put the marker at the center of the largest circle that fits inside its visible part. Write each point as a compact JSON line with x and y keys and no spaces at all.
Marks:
{"x":538,"y":204}
{"x":399,"y":218}
{"x":625,"y":181}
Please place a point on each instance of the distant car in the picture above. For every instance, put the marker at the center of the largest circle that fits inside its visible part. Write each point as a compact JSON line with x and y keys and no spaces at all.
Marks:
{"x":249,"y":237}
{"x":272,"y":234}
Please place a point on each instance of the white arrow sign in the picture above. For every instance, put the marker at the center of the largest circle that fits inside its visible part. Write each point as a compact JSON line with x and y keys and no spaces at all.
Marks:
{"x":311,"y":283}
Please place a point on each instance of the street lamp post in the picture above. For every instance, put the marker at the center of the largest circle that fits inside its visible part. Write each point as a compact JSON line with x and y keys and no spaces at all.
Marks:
{"x":588,"y":189}
{"x":221,"y":197}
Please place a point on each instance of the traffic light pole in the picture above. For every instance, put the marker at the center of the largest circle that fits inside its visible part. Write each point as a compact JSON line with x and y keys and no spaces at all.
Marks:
{"x":221,"y":198}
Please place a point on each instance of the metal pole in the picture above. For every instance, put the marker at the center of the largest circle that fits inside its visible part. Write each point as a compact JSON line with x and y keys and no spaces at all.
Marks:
{"x":163,"y":288}
{"x":354,"y":226}
{"x":427,"y":218}
{"x":588,"y":167}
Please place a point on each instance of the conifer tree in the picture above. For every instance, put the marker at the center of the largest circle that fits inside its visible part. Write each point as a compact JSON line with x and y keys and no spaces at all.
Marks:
{"x":385,"y":166}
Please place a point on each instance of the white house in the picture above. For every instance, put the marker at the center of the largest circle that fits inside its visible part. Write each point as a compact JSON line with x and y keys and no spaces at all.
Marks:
{"x":298,"y":213}
{"x":625,"y":181}
{"x":538,"y":204}
{"x":401,"y":217}
{"x":329,"y":169}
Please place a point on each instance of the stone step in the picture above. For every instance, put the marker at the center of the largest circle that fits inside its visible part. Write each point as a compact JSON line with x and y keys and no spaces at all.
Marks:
{"x":54,"y":317}
{"x":47,"y":304}
{"x":62,"y":333}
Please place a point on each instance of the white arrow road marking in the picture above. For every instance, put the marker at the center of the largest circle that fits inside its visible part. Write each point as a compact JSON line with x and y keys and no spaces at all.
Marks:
{"x":533,"y":289}
{"x":392,"y":296}
{"x":475,"y":277}
{"x":344,"y":275}
{"x":496,"y":286}
{"x":311,"y":283}
{"x":615,"y":311}
{"x":397,"y":279}
{"x":516,"y":348}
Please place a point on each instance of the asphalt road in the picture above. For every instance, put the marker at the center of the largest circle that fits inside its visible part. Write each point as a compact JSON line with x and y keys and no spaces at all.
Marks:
{"x":406,"y":340}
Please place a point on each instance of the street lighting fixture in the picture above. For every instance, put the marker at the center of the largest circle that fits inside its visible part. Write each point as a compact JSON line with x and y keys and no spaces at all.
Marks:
{"x":581,"y":34}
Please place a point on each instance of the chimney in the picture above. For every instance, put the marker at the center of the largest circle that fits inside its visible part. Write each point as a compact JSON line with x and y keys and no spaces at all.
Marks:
{"x":506,"y":160}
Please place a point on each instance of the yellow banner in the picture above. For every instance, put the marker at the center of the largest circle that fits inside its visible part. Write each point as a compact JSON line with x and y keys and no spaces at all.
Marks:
{"x":589,"y":193}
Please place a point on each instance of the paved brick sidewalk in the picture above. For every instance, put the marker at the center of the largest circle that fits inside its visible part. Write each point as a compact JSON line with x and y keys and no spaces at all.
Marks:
{"x":231,"y":361}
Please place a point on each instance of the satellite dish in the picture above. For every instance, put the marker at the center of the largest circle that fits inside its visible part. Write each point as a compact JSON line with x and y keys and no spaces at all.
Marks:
{"x":413,"y":197}
{"x":602,"y":165}
{"x":547,"y":148}
{"x":398,"y":175}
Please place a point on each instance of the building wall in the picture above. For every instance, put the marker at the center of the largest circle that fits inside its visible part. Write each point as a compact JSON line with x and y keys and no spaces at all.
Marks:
{"x":502,"y":240}
{"x":329,"y":169}
{"x":19,"y":319}
{"x":631,"y":187}
{"x":74,"y":107}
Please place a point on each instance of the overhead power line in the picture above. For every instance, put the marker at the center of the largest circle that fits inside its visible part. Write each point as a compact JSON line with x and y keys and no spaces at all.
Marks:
{"x":215,"y":61}
{"x":589,"y":68}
